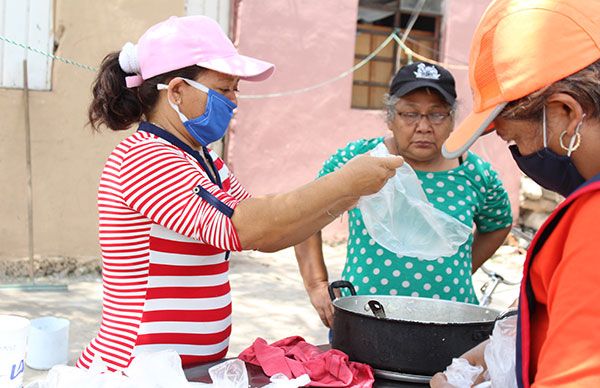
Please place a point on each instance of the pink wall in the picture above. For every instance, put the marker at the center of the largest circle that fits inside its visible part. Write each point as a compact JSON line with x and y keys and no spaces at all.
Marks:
{"x":462,"y":17}
{"x":280,"y":143}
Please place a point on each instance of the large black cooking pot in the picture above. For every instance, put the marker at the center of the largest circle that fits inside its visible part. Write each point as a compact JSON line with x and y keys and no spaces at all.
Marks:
{"x":405,"y":334}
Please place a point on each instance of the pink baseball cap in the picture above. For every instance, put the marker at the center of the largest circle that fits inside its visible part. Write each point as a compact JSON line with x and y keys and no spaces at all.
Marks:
{"x":180,"y":42}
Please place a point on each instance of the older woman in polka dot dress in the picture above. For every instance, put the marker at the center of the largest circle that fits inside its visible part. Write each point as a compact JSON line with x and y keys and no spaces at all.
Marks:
{"x":420,"y":115}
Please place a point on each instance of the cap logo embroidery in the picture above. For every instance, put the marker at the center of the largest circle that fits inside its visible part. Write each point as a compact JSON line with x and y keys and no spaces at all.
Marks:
{"x":428,"y":72}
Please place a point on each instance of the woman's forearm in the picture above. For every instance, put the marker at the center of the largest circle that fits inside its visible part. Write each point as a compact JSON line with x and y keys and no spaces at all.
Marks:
{"x":273,"y":222}
{"x":475,"y":355}
{"x":486,"y":244}
{"x":311,"y":263}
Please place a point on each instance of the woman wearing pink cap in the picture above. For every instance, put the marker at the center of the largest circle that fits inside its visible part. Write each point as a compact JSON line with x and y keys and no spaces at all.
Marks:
{"x":170,"y":211}
{"x":535,"y":75}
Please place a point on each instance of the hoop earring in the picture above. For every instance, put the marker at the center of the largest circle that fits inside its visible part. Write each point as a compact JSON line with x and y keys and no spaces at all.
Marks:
{"x":575,"y":141}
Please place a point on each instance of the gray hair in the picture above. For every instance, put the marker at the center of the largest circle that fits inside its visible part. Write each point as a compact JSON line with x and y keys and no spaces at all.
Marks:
{"x":583,"y":86}
{"x":389,"y":107}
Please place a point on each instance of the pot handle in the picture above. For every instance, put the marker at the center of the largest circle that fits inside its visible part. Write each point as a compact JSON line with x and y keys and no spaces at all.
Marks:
{"x":340,"y":284}
{"x":506,"y":314}
{"x":377,"y":309}
{"x":481,"y":335}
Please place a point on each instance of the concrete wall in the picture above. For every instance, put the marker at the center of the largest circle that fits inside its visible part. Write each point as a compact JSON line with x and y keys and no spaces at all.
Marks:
{"x":281,"y":143}
{"x":66,"y":157}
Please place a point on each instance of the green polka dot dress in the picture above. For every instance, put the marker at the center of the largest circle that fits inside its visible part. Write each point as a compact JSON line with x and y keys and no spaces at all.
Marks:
{"x":471,"y":192}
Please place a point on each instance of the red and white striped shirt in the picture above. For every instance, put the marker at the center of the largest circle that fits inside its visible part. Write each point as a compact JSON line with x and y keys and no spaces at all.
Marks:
{"x":164,"y":267}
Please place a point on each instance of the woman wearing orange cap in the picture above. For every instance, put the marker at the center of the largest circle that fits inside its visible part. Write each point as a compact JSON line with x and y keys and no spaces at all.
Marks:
{"x":170,"y":211}
{"x":535,"y":73}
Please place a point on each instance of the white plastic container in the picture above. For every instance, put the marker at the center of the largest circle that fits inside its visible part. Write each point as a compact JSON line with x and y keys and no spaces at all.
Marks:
{"x":48,"y":343}
{"x":13,"y":345}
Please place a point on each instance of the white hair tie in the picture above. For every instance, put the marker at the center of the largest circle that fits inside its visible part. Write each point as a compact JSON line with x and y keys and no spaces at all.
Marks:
{"x":128,"y":59}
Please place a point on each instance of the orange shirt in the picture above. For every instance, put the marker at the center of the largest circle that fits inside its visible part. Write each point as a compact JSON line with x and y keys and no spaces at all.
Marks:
{"x":565,"y":278}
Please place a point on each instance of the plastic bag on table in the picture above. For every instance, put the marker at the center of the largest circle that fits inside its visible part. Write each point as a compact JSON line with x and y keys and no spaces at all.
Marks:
{"x":229,"y":374}
{"x":400,"y":218}
{"x":500,"y":354}
{"x":279,"y":380}
{"x":148,"y":370}
{"x":157,"y":369}
{"x":98,"y":376}
{"x":462,"y":374}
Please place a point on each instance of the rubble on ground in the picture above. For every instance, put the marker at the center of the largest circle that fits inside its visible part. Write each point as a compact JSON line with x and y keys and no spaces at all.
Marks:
{"x":536,"y":204}
{"x":58,"y":267}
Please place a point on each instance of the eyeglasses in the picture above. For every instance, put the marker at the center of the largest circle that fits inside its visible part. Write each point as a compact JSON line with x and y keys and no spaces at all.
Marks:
{"x":411,"y":118}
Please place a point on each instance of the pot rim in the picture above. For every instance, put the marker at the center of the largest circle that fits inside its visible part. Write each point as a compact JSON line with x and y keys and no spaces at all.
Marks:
{"x":433,"y":323}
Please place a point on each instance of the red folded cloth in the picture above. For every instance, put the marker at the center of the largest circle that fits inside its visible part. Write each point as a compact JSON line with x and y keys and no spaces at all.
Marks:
{"x":294,"y":357}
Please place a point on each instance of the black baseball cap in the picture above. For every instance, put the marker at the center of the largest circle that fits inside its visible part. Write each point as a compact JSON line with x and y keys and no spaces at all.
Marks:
{"x":424,"y":75}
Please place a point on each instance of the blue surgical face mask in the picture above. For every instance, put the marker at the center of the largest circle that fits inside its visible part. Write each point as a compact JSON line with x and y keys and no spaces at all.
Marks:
{"x":212,"y":125}
{"x":548,"y":169}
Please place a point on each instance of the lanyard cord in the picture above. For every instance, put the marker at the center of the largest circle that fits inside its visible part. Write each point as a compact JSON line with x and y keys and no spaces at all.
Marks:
{"x":155,"y":130}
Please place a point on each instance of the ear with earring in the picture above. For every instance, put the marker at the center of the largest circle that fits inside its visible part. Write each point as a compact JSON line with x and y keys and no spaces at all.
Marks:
{"x":575,"y":141}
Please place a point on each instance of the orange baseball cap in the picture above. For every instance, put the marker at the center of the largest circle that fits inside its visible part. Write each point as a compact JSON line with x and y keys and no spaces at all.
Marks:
{"x":518,"y":48}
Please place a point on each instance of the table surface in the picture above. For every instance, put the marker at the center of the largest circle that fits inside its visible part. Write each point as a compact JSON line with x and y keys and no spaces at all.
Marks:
{"x":257,"y":378}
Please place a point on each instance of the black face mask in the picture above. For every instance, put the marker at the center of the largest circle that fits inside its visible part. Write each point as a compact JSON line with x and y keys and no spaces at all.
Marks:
{"x":549,"y":170}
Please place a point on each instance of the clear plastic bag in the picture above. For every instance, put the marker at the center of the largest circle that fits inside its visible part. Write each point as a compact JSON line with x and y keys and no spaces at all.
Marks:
{"x":157,"y":370}
{"x":148,"y":370}
{"x":462,"y":374}
{"x":229,"y":374}
{"x":500,"y":354}
{"x":400,"y":218}
{"x":279,"y":380}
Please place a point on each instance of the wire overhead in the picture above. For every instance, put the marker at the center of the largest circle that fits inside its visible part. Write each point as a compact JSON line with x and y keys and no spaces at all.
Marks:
{"x":391,"y":37}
